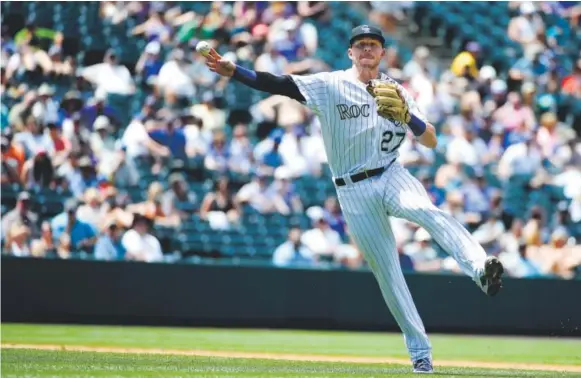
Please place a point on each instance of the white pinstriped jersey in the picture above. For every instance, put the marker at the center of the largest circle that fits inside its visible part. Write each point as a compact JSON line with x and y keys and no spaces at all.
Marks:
{"x":356,"y":138}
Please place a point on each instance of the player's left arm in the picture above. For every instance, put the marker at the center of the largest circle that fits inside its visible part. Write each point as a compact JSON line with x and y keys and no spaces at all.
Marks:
{"x":424,"y":131}
{"x":428,"y":138}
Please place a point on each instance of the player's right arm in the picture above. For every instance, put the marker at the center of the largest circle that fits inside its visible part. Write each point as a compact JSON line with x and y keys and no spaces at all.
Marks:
{"x":308,"y":89}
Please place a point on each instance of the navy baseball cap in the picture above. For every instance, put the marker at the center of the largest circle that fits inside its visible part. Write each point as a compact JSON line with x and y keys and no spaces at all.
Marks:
{"x":366,"y":31}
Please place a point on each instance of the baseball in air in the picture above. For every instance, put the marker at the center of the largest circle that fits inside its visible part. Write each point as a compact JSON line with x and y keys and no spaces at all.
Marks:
{"x":203,"y":48}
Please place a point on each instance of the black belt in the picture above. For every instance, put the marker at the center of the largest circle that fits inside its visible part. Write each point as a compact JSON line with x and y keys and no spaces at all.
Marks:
{"x":363,"y":175}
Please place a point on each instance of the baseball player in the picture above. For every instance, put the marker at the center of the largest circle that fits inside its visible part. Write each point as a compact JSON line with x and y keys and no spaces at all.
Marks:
{"x":365,"y":117}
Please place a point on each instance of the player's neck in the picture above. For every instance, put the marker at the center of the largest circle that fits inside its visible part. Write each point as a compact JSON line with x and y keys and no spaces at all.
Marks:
{"x":364,"y":74}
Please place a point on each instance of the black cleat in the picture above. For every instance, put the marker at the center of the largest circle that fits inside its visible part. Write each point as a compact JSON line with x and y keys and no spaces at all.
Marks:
{"x":423,"y":366}
{"x":491,"y":280}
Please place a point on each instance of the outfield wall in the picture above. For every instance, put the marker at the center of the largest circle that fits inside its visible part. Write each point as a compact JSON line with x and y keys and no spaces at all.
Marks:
{"x":36,"y":290}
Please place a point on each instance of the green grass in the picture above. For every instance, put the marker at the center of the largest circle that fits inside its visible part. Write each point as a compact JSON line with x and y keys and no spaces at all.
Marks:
{"x":36,"y":363}
{"x":445,"y":347}
{"x":43,"y":363}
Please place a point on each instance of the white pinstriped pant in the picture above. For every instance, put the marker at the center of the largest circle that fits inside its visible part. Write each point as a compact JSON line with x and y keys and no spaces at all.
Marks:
{"x":367,"y":206}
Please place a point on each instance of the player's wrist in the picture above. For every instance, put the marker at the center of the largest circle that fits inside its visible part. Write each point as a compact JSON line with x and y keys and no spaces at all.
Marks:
{"x":416,"y":125}
{"x":243,"y":74}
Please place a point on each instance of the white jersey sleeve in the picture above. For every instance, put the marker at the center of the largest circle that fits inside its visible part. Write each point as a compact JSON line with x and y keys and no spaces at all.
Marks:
{"x":315,"y":90}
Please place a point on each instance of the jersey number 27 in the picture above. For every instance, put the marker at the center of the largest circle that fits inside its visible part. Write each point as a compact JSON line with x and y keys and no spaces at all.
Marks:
{"x":386,"y":139}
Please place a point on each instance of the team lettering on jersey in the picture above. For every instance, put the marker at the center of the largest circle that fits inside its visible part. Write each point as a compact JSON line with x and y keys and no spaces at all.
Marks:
{"x":356,"y":138}
{"x":353,"y":111}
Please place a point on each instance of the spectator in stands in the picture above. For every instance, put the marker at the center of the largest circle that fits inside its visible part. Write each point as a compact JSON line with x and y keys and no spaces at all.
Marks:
{"x":287,"y":40}
{"x":522,"y":158}
{"x":135,"y":138}
{"x":64,"y":247}
{"x":38,"y":172}
{"x":18,"y":241}
{"x":571,"y":84}
{"x":255,"y":194}
{"x":219,"y":207}
{"x":271,"y":61}
{"x":535,"y":230}
{"x":149,"y":63}
{"x":335,"y":217}
{"x":283,"y":194}
{"x":406,"y":262}
{"x":569,"y":153}
{"x":293,"y":252}
{"x":531,"y":67}
{"x":3,"y":114}
{"x":527,"y":26}
{"x":575,"y":208}
{"x":179,"y":200}
{"x":81,"y":235}
{"x":115,"y":210}
{"x":116,"y":12}
{"x":467,"y":119}
{"x":490,"y":233}
{"x":169,"y":138}
{"x":454,"y":204}
{"x":437,"y":194}
{"x":316,"y":10}
{"x":21,"y":215}
{"x":33,"y":137}
{"x":524,"y":267}
{"x":78,"y":135}
{"x":421,"y":252}
{"x":44,"y":245}
{"x":122,"y":170}
{"x":155,"y":27}
{"x":388,"y":14}
{"x":108,"y":246}
{"x":465,"y":64}
{"x":139,"y":243}
{"x":33,"y":43}
{"x":110,"y":76}
{"x":85,"y":178}
{"x":102,"y":141}
{"x":71,"y":102}
{"x":61,"y":68}
{"x":268,"y":151}
{"x":152,"y":208}
{"x":547,"y":134}
{"x":467,"y":148}
{"x":90,"y":211}
{"x":477,"y":193}
{"x":218,"y":156}
{"x":558,"y":255}
{"x":323,"y":241}
{"x":486,"y":76}
{"x":514,"y":114}
{"x":13,"y":158}
{"x":69,"y":171}
{"x":391,"y":63}
{"x":45,"y":109}
{"x":19,"y":113}
{"x":212,"y":117}
{"x":241,"y":157}
{"x":174,"y":81}
{"x":61,"y":145}
{"x":97,"y":106}
{"x":420,"y":64}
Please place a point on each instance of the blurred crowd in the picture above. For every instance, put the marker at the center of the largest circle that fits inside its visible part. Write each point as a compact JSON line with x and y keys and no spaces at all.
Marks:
{"x":64,"y":132}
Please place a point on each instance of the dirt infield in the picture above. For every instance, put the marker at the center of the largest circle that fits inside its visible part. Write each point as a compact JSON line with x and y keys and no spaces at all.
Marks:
{"x":294,"y":357}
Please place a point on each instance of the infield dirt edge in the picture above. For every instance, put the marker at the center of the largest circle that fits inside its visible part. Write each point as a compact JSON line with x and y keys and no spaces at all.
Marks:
{"x":294,"y":357}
